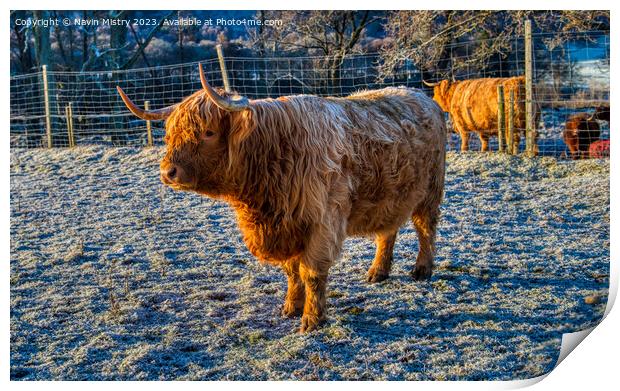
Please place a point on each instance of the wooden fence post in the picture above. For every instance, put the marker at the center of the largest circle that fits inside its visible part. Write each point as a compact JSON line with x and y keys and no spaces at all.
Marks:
{"x":511,"y":125}
{"x":46,"y":100}
{"x":70,"y":134}
{"x":529,"y":102}
{"x":220,"y":56}
{"x":149,"y":131}
{"x":501,"y":118}
{"x":68,"y":124}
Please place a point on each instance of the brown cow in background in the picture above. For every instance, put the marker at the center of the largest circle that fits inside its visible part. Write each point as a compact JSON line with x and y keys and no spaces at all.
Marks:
{"x":472,"y":105}
{"x":304,"y":172}
{"x":580,"y":131}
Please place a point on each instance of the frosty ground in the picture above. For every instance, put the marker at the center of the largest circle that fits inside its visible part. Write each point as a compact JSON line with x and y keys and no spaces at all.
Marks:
{"x":115,"y":277}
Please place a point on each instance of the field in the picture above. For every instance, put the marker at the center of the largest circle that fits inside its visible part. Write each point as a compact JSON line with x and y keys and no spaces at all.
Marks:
{"x":114,"y":276}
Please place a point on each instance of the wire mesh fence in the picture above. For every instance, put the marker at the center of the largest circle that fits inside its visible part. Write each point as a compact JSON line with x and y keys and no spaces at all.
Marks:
{"x":569,"y":79}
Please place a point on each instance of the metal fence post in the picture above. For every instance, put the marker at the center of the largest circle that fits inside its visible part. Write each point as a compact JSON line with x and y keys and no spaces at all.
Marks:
{"x":149,"y":132}
{"x":511,"y":125}
{"x":46,"y":99}
{"x":220,"y":56}
{"x":529,"y":102}
{"x":501,"y":118}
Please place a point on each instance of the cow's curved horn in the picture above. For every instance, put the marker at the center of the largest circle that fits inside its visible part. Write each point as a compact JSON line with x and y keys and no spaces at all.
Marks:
{"x":152,"y":115}
{"x":236,"y":103}
{"x":430,"y":84}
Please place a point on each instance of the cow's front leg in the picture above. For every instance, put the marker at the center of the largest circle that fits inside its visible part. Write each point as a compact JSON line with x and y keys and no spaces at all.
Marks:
{"x":463,"y":132}
{"x":315,"y":282}
{"x":323,"y":247}
{"x":295,"y":295}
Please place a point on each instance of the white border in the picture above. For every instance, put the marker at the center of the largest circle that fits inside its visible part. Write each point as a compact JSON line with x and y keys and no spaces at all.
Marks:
{"x":592,"y":366}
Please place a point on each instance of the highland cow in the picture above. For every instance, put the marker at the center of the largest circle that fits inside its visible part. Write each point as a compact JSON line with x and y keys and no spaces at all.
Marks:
{"x":304,"y":172}
{"x":472,"y":105}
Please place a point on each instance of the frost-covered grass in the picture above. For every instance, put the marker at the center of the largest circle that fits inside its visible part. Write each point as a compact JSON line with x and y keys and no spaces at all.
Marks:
{"x":115,"y":277}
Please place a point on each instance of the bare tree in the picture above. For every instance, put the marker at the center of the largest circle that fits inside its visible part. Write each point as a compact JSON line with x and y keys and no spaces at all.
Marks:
{"x":145,"y":42}
{"x":434,"y":40}
{"x":42,"y":45}
{"x":20,"y":48}
{"x":332,"y":34}
{"x":118,"y":38}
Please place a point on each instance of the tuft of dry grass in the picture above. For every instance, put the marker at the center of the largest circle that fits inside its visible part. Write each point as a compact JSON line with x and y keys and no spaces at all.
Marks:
{"x":75,"y":251}
{"x":159,"y":263}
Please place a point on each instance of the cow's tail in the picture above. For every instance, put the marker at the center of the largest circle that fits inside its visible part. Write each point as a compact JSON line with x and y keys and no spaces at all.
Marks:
{"x":436,"y":183}
{"x":425,"y":217}
{"x":437,"y":179}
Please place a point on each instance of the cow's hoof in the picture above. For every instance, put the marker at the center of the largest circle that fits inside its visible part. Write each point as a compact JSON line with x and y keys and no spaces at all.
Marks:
{"x":310,"y":323}
{"x":421,"y":273}
{"x":375,"y":276}
{"x":290,"y":310}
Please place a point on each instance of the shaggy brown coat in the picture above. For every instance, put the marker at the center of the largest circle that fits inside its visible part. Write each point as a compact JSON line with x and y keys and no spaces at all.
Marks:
{"x":472,"y":105}
{"x":303,"y":172}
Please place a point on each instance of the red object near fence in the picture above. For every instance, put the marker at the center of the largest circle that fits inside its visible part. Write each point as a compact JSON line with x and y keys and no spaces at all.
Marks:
{"x":599,"y":149}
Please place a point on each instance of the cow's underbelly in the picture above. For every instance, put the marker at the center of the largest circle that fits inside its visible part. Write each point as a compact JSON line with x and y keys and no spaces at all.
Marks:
{"x":369,"y":216}
{"x":371,"y":220}
{"x":385,"y":193}
{"x":481,"y":125}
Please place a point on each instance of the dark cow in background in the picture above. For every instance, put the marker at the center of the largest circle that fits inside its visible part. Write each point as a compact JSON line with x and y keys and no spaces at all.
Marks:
{"x":602,"y":113}
{"x":580,"y":131}
{"x":472,"y":105}
{"x":601,"y":148}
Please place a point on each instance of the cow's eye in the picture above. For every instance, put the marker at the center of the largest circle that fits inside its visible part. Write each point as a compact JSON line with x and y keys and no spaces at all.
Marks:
{"x":209,"y":133}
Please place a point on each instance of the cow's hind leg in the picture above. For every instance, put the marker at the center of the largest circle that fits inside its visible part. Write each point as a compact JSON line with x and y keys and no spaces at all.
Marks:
{"x":425,"y":222}
{"x":516,"y":140}
{"x":295,"y":294}
{"x":380,"y":269}
{"x":464,"y":141}
{"x":484,"y":142}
